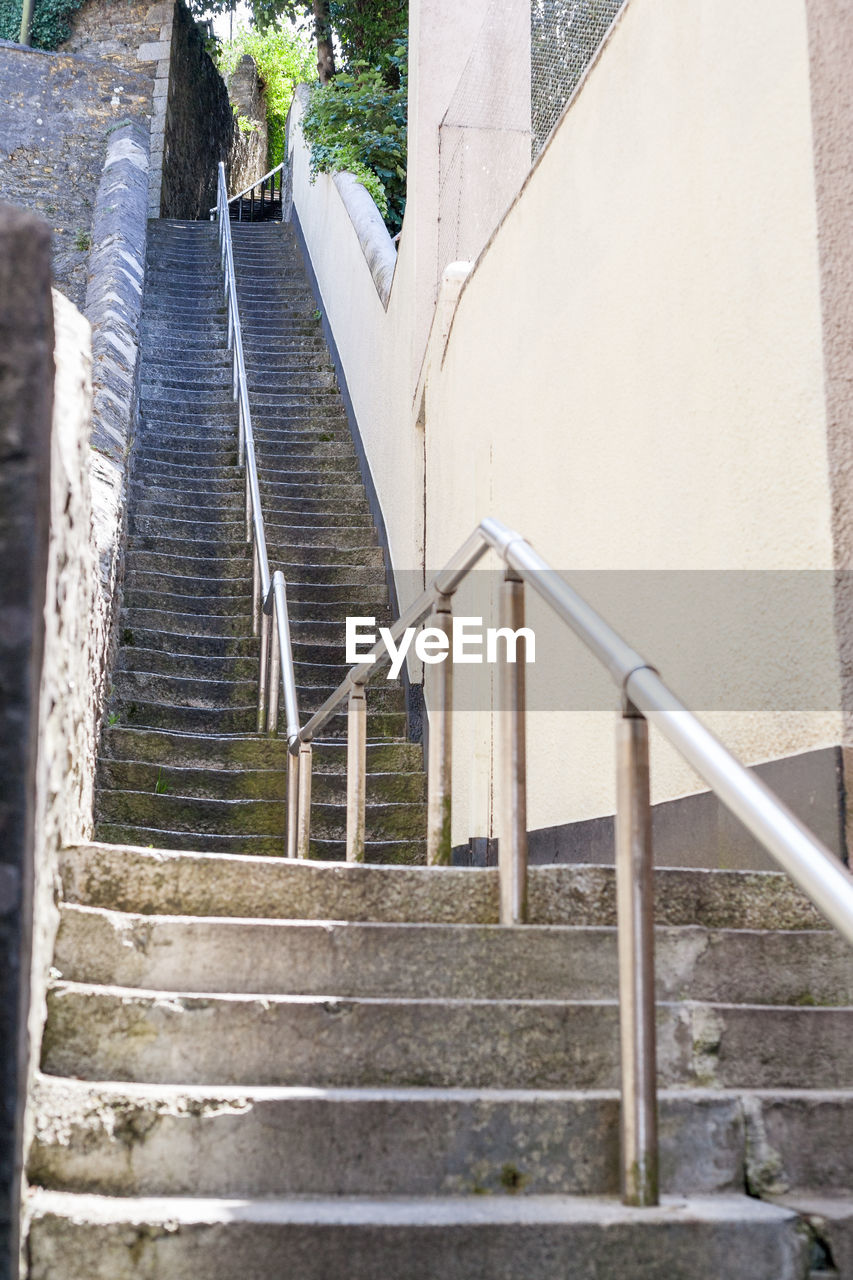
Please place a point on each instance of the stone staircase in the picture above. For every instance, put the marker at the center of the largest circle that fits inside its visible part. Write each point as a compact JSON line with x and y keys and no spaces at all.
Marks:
{"x":182,"y":766}
{"x":266,"y":1069}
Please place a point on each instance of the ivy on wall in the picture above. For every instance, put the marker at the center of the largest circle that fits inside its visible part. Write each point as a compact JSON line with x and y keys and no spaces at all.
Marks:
{"x":50,"y":26}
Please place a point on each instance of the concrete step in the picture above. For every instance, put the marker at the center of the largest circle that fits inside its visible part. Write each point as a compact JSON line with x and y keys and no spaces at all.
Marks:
{"x":120,"y":1033}
{"x":191,"y":751}
{"x":268,"y":783}
{"x":120,"y":1139}
{"x":483,"y":962}
{"x":82,"y":1237}
{"x":380,"y":852}
{"x":141,"y":1140}
{"x":168,"y":883}
{"x":236,"y":719}
{"x":165,"y":811}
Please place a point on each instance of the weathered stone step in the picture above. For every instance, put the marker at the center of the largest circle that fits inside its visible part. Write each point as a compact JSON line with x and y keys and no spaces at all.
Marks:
{"x":302,"y":612}
{"x":196,"y":692}
{"x":268,"y":783}
{"x":199,"y":884}
{"x":131,"y":657}
{"x":167,"y":812}
{"x":204,"y":460}
{"x":119,"y":1033}
{"x":148,"y":714}
{"x":298,"y":511}
{"x":251,"y":752}
{"x":233,"y":556}
{"x":231,"y":606}
{"x":392,"y":852}
{"x":176,"y":644}
{"x":169,"y":1140}
{"x":432,"y":961}
{"x":458,"y":1238}
{"x":233,"y":532}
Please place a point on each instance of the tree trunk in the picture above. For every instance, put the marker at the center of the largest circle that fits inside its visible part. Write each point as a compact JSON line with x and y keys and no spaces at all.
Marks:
{"x":323,"y":32}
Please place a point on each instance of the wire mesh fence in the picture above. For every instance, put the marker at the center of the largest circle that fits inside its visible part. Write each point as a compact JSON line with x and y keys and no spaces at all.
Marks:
{"x":565,"y":36}
{"x":525,"y":63}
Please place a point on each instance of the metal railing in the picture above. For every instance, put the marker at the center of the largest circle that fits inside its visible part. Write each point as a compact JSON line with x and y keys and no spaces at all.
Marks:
{"x":269,"y":592}
{"x":266,"y":196}
{"x":645,"y":699}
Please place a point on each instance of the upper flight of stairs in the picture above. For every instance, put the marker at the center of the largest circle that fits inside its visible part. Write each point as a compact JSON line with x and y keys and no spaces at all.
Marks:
{"x":181,"y":765}
{"x":256,"y":1069}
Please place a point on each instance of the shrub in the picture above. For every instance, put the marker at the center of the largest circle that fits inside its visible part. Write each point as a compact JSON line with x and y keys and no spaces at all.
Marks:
{"x":50,"y":25}
{"x":357,"y":122}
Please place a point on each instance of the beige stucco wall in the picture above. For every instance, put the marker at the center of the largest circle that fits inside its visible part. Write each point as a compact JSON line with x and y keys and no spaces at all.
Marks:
{"x":634,"y":372}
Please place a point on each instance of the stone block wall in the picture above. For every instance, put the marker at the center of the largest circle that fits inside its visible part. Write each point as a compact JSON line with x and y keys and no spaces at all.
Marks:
{"x":248,"y":158}
{"x":56,"y":113}
{"x":199,"y":126}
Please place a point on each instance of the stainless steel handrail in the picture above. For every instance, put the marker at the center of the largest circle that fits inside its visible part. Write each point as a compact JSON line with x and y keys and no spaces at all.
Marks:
{"x":279,"y":168}
{"x":644,"y":698}
{"x":269,"y":592}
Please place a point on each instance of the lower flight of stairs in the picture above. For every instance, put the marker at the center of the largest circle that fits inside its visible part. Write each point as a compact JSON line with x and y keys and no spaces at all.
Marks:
{"x":255,"y":1068}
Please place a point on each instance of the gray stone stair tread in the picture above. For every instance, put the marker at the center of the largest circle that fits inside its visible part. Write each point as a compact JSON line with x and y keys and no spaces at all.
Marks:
{"x":137,"y":879}
{"x":304,"y":957}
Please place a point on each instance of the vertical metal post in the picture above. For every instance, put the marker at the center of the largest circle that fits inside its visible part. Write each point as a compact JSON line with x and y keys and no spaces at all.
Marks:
{"x":256,"y":592}
{"x":262,"y":674}
{"x":635,"y":918}
{"x":512,"y":845}
{"x":275,"y":676}
{"x":249,"y":509}
{"x":292,"y":803}
{"x":439,"y":765}
{"x":304,"y":818}
{"x":356,"y":772}
{"x":231,"y":328}
{"x":241,"y":434}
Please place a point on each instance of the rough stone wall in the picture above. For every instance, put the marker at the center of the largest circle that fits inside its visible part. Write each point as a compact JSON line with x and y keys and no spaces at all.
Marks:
{"x":248,"y":157}
{"x":56,"y":113}
{"x":120,"y":32}
{"x":26,"y":382}
{"x":199,"y":125}
{"x":114,"y":309}
{"x":135,"y":34}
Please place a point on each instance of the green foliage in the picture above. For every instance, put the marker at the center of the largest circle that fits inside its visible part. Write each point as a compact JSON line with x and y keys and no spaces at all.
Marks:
{"x":245,"y":125}
{"x":50,"y":21}
{"x":358,"y":123}
{"x":369,"y":30}
{"x":284,"y":59}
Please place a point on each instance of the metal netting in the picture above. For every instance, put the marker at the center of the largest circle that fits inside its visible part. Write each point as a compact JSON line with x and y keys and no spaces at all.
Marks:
{"x":565,"y":36}
{"x":526,"y":61}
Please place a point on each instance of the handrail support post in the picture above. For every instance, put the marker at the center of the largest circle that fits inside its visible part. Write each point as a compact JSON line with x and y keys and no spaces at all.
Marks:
{"x":292,"y":834}
{"x":304,"y":816}
{"x":356,"y":772}
{"x":440,"y":763}
{"x":264,"y":668}
{"x":512,"y":843}
{"x":635,"y":918}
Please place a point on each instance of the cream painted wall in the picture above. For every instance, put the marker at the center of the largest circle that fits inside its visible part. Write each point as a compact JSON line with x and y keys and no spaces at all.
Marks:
{"x":633,"y":376}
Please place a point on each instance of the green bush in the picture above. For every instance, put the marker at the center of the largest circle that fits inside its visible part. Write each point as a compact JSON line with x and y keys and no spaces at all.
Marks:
{"x":357,"y":122}
{"x":50,"y":21}
{"x":284,"y":59}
